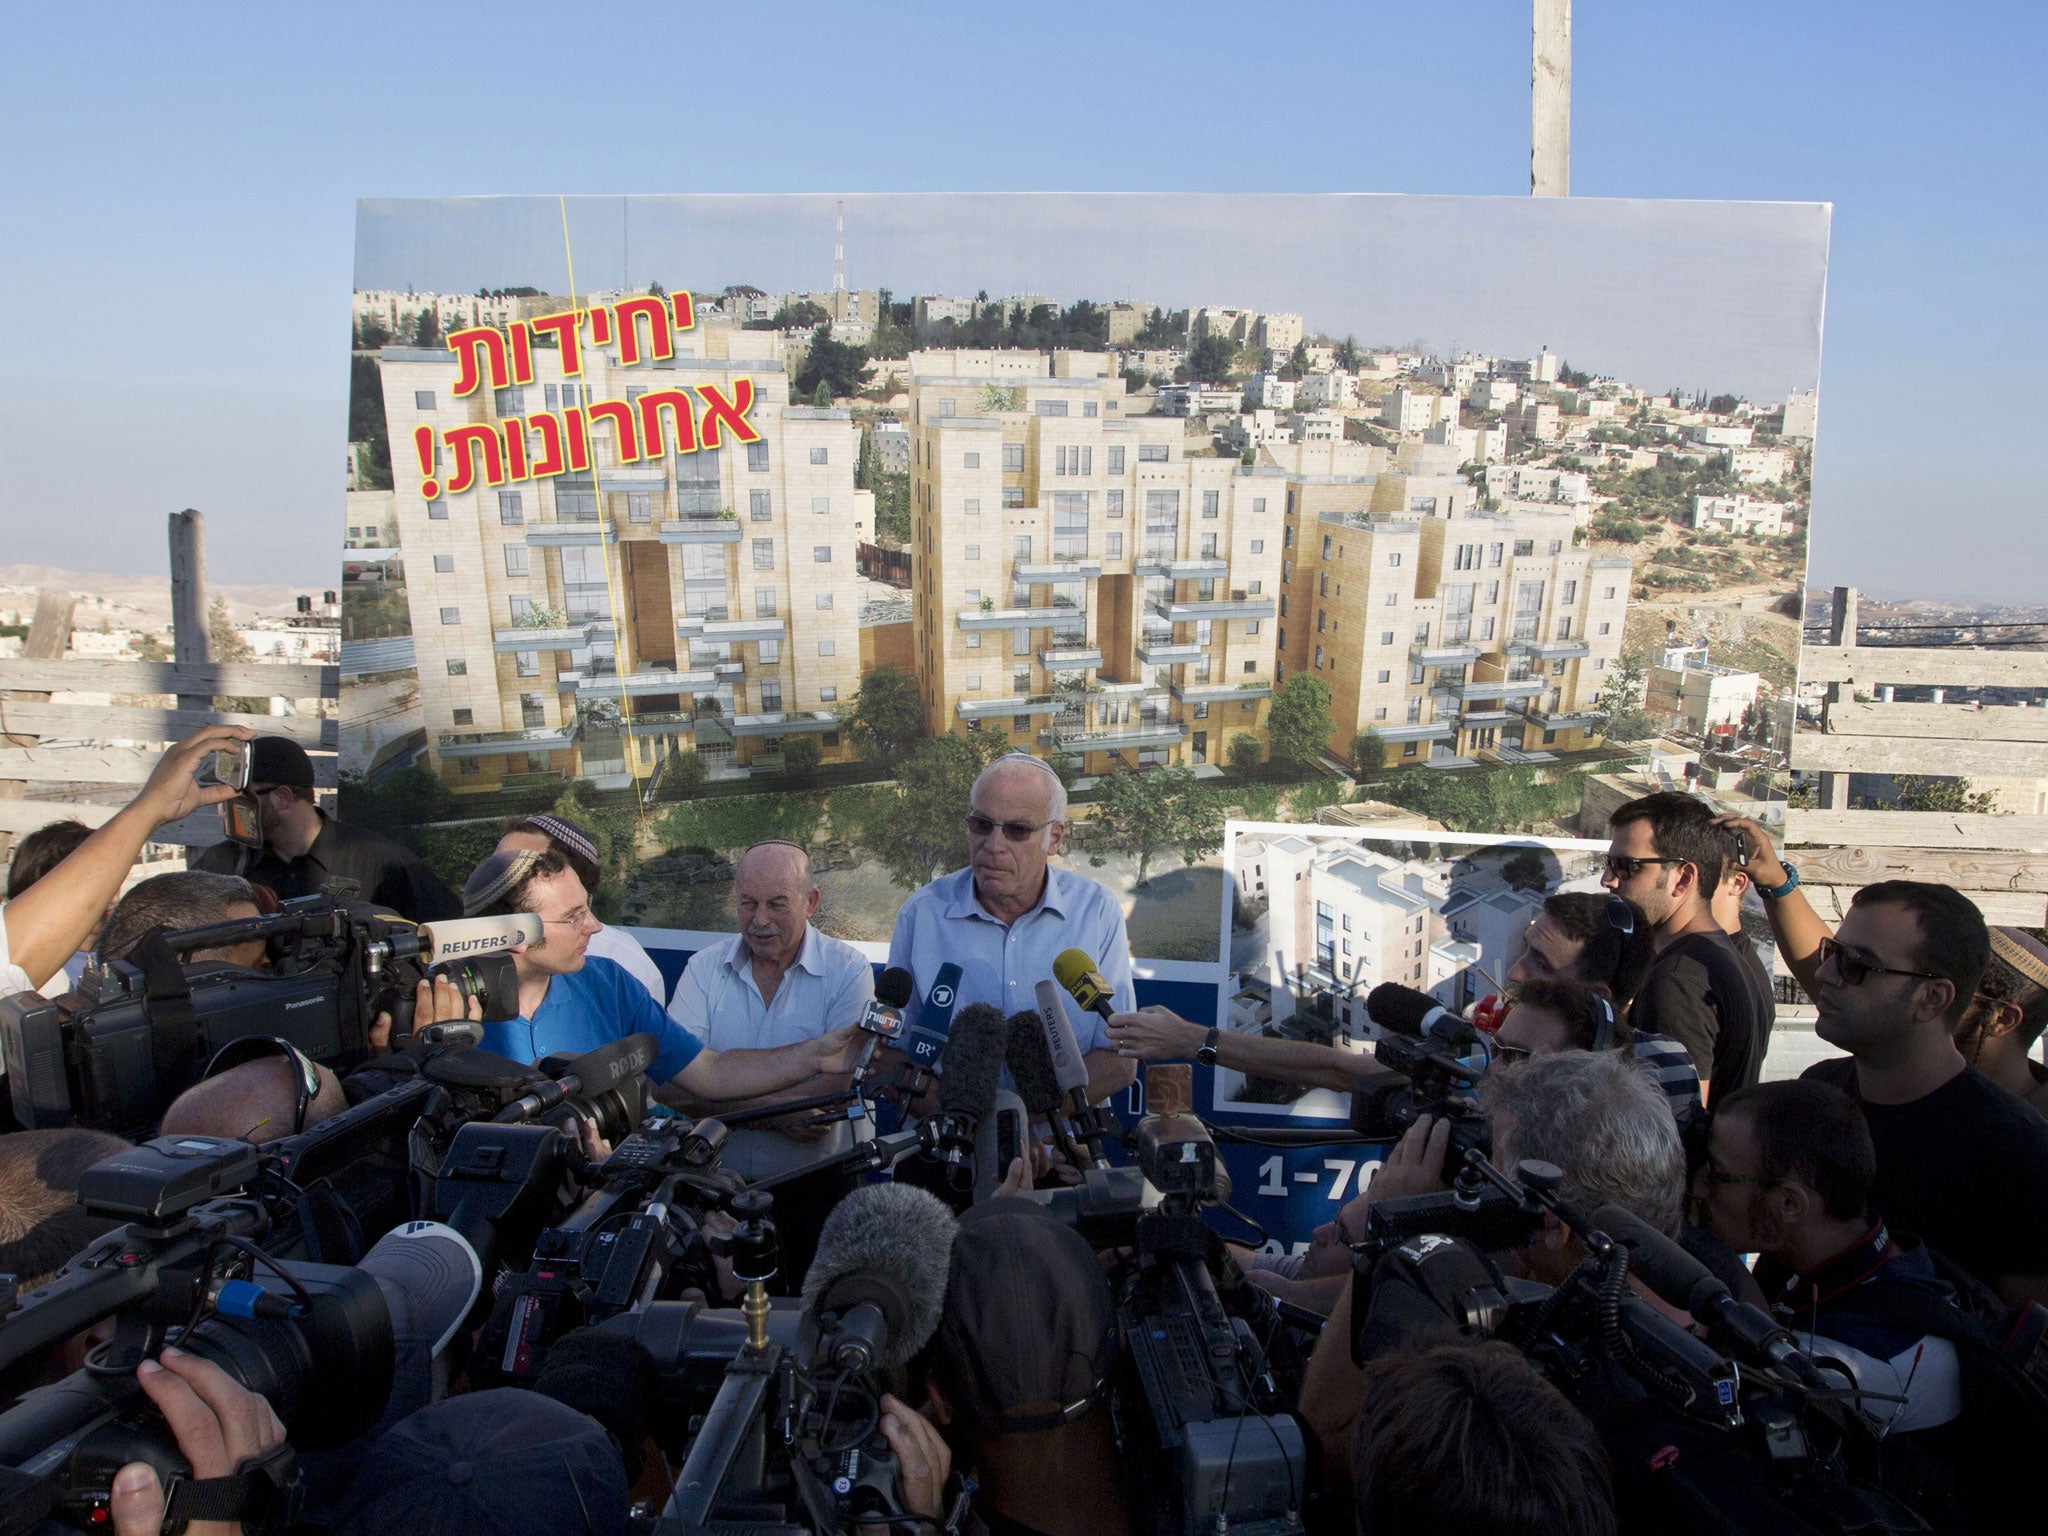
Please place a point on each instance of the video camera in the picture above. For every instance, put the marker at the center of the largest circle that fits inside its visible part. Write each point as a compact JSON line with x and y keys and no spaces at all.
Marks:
{"x":1431,"y":1050}
{"x":114,"y":1053}
{"x":1739,"y":1431}
{"x":314,"y":1339}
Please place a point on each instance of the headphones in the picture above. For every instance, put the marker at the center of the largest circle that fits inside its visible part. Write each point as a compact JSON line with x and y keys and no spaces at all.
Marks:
{"x":305,"y":1075}
{"x":1603,"y":1037}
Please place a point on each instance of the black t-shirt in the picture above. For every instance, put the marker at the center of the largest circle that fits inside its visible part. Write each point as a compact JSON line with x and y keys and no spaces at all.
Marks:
{"x":1700,"y":993}
{"x":349,"y":863}
{"x":1965,"y":1169}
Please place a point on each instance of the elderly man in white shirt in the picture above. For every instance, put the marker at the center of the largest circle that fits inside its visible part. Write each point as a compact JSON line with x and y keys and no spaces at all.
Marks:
{"x":778,"y":981}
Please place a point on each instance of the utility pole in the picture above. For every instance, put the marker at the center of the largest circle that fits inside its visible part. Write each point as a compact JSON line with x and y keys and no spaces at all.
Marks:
{"x":1550,"y":100}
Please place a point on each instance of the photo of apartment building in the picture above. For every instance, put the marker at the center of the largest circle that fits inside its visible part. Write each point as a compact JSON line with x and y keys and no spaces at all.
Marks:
{"x":586,"y":625}
{"x":1082,"y":583}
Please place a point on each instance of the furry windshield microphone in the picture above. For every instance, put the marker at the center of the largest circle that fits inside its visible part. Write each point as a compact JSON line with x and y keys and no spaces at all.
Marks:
{"x":1031,"y":1065}
{"x":877,"y":1288}
{"x":972,"y":1064}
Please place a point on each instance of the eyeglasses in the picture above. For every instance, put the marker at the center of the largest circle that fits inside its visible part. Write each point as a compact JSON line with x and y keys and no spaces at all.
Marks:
{"x":1015,"y":831}
{"x":575,"y":919}
{"x":1856,"y":970}
{"x":1624,"y":868}
{"x":1505,"y":1052}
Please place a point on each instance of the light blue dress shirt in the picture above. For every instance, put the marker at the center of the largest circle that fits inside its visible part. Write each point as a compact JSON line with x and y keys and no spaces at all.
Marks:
{"x":1002,"y":963}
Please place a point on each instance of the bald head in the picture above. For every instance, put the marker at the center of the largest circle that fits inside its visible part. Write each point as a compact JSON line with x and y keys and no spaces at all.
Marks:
{"x":1017,"y":775}
{"x":253,"y":1102}
{"x":775,"y":898}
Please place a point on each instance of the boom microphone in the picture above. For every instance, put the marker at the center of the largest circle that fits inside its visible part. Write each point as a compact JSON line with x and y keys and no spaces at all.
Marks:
{"x":1075,"y":969}
{"x":1408,"y":1012}
{"x":1679,"y":1278}
{"x":877,"y":1288}
{"x":587,"y":1076}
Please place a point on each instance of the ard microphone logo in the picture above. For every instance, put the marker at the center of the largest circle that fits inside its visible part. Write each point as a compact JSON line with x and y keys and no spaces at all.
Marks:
{"x":942,"y":996}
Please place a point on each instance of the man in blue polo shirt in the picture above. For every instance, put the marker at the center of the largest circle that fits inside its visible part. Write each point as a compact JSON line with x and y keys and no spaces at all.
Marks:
{"x":570,"y":1002}
{"x":1005,"y":917}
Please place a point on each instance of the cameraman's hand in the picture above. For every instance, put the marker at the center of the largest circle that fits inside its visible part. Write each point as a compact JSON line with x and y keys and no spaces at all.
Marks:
{"x":173,"y":789}
{"x":435,"y":1000}
{"x":218,"y":1424}
{"x":1154,"y":1034}
{"x":1414,"y":1167}
{"x":923,"y":1462}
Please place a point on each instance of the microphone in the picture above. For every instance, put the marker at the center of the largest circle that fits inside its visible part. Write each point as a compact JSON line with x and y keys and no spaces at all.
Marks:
{"x":1075,"y":969}
{"x":882,"y":1018}
{"x":587,"y":1076}
{"x":464,"y":938}
{"x":1408,"y":1012}
{"x":877,"y":1287}
{"x":971,"y":1068}
{"x":1679,"y":1278}
{"x":1030,"y":1063}
{"x":928,"y":1035}
{"x":1069,"y":1069}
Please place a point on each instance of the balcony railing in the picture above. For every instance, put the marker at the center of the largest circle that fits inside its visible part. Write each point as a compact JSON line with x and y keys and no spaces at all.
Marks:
{"x":1016,"y":618}
{"x":707,"y":528}
{"x":557,"y":637}
{"x":1234,"y":607}
{"x":1443,"y":655}
{"x":648,"y":681}
{"x":1163,"y":652}
{"x":1042,"y":572}
{"x":1069,"y":658}
{"x":566,"y":532}
{"x":1142,"y":733}
{"x":1550,"y":650}
{"x":1249,"y":688}
{"x":546,"y":738}
{"x":785,"y":723}
{"x":1205,"y":568}
{"x":1490,"y":688}
{"x":1016,"y":704}
{"x":1561,"y":720}
{"x":1421,"y":730}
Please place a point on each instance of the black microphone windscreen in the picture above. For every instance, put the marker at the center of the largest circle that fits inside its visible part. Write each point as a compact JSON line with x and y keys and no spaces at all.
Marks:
{"x":889,"y":1245}
{"x":1664,"y":1267}
{"x":1031,"y":1064}
{"x":1401,"y":1009}
{"x":614,"y":1063}
{"x":971,"y":1065}
{"x":894,"y":987}
{"x":473,"y":1068}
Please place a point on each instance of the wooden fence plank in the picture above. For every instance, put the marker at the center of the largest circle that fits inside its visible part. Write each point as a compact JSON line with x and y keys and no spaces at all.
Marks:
{"x":2014,"y":909}
{"x":22,"y":816}
{"x":1831,"y":752}
{"x":86,"y":723}
{"x":291,"y":680}
{"x":1872,"y":666}
{"x":1944,"y":722}
{"x":1917,"y":829}
{"x":115,"y":765}
{"x":1963,"y":870}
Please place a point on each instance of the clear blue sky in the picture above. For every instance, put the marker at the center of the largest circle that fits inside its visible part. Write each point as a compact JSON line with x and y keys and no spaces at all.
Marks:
{"x":181,"y":188}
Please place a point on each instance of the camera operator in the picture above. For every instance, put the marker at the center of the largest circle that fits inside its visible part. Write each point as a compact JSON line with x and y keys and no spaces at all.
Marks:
{"x":1788,"y":1175}
{"x":186,"y":898}
{"x":1595,"y":1116}
{"x":34,"y":857}
{"x":561,"y":835}
{"x":1666,"y":857}
{"x":1018,"y":1375}
{"x":306,"y":852}
{"x":1470,"y":1438}
{"x":570,"y":1003}
{"x":41,"y":929}
{"x":257,"y":1089}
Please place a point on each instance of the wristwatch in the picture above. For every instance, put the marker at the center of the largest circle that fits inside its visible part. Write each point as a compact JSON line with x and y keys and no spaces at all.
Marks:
{"x":1206,"y":1054}
{"x":1791,"y":884}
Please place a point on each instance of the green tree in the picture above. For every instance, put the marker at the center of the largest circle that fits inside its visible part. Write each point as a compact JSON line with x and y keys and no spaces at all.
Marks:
{"x":148,"y":648}
{"x":1525,"y":870}
{"x":888,"y":715}
{"x":1939,"y":794}
{"x":1245,"y":754}
{"x":1722,"y":405}
{"x":1618,"y":713}
{"x":228,"y":646}
{"x":426,"y":329}
{"x":729,"y":823}
{"x":1298,"y":725}
{"x":1143,"y":813}
{"x":837,"y":365}
{"x":821,"y":397}
{"x":686,"y":771}
{"x":1368,"y":751}
{"x":1210,"y":361}
{"x":801,"y":757}
{"x":1297,"y":362}
{"x":921,"y":835}
{"x":1347,"y":354}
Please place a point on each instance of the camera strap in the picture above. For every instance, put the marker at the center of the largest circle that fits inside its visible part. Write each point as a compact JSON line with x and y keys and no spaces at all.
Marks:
{"x":173,"y":1026}
{"x":264,"y":1493}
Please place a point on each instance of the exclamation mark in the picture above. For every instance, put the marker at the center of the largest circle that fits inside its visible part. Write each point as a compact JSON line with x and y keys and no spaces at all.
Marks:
{"x":423,"y":442}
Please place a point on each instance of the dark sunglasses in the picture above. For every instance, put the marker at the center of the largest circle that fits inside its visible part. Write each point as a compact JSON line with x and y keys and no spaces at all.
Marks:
{"x":1855,"y":970}
{"x":1624,"y":868}
{"x":1015,"y":831}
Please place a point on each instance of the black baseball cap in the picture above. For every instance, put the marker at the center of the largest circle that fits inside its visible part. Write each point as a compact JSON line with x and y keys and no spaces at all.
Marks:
{"x":1028,"y":1338}
{"x":279,"y":760}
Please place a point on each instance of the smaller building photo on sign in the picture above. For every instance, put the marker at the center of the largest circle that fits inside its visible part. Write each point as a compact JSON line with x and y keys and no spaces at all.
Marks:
{"x":1315,"y":919}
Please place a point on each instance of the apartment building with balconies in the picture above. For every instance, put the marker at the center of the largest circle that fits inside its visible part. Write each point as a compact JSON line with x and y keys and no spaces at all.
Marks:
{"x":587,"y":624}
{"x":1081,"y":583}
{"x":1454,"y":638}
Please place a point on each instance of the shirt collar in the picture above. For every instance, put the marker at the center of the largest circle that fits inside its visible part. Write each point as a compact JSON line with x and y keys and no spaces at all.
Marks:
{"x":808,"y":957}
{"x":323,"y":841}
{"x":963,"y":902}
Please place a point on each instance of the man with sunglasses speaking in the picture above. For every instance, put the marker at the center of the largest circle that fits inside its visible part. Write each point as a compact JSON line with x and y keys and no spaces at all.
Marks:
{"x":1666,"y":857}
{"x":570,"y":1003}
{"x":1005,"y":917}
{"x":306,"y":852}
